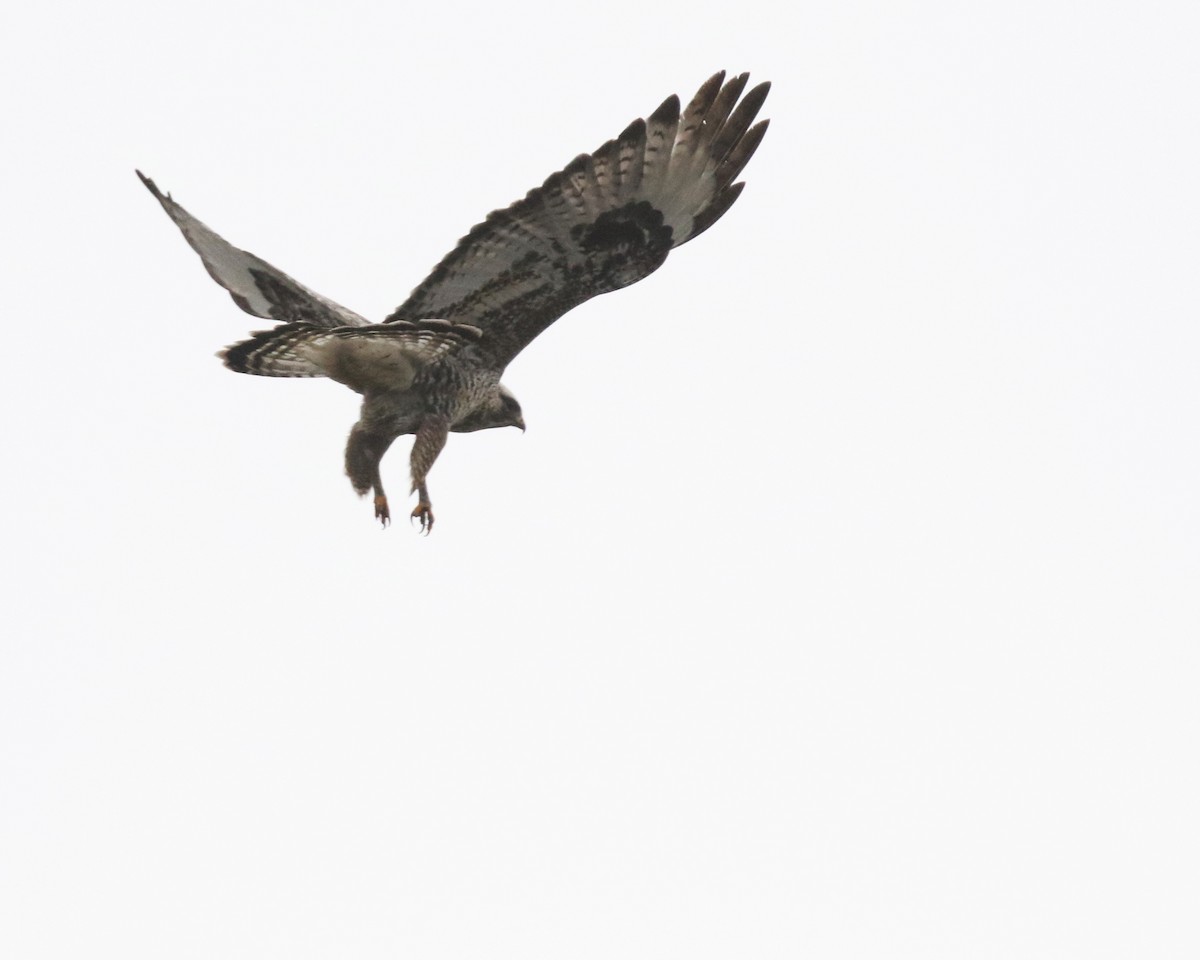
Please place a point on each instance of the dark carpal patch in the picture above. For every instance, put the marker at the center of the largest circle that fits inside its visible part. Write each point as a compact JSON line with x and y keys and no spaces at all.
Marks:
{"x":622,"y":246}
{"x":635,"y":225}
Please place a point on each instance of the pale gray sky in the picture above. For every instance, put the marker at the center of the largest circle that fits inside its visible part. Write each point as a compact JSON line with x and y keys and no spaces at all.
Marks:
{"x":840,"y":601}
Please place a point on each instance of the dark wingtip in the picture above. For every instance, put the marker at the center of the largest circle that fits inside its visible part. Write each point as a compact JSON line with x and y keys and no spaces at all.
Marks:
{"x":757,"y":95}
{"x":667,"y":111}
{"x":706,"y":94}
{"x":740,"y":154}
{"x":153,"y":187}
{"x":733,"y":89}
{"x":633,"y":131}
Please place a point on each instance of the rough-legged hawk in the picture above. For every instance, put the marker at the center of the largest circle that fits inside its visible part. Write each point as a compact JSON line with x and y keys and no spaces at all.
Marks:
{"x":605,"y":221}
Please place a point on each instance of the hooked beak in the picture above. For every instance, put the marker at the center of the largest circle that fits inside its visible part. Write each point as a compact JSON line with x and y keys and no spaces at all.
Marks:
{"x":521,"y":423}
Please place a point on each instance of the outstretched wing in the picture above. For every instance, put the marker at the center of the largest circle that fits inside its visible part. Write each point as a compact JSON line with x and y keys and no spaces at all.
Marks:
{"x":605,"y":221}
{"x":256,"y":286}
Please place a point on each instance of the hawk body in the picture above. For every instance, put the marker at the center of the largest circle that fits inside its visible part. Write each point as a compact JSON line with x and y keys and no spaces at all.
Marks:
{"x":606,"y":220}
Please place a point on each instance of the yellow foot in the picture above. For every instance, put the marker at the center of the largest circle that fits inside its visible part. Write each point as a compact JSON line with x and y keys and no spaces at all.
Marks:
{"x":424,"y":513}
{"x":382,"y":514}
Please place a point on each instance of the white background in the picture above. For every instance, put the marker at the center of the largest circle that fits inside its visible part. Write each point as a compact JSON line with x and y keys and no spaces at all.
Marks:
{"x":841,"y":600}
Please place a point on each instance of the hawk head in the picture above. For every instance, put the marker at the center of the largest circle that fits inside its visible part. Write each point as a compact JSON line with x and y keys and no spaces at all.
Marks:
{"x":500,"y":410}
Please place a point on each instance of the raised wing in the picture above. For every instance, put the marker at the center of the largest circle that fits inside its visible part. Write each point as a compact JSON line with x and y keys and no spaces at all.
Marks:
{"x":256,"y":286}
{"x":605,"y":221}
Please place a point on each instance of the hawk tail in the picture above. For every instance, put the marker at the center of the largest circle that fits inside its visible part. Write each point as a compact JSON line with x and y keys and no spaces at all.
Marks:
{"x":279,"y":352}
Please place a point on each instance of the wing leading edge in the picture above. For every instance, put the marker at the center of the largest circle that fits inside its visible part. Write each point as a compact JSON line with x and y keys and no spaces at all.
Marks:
{"x":608,"y":219}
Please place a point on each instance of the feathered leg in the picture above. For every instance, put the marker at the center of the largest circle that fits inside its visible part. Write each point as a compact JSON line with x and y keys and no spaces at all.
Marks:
{"x":431,"y":437}
{"x":364,"y":450}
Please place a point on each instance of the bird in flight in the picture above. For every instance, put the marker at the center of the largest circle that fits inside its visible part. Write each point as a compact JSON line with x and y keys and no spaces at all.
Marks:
{"x":433,"y":367}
